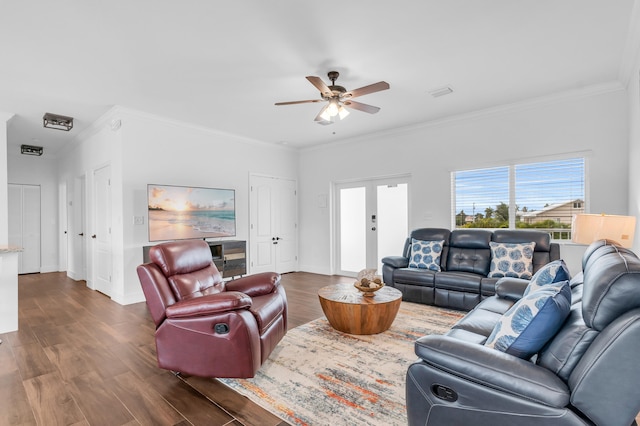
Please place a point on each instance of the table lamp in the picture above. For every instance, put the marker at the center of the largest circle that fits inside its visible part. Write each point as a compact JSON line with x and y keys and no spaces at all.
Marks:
{"x":587,"y":228}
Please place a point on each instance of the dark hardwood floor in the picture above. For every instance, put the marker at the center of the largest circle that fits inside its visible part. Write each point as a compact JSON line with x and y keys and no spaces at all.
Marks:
{"x":79,"y":358}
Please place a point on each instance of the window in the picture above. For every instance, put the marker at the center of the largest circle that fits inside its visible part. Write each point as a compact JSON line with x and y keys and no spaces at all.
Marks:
{"x":544,"y":195}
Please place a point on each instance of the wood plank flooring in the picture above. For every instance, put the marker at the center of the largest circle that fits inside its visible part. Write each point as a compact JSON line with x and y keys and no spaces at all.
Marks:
{"x":79,"y":358}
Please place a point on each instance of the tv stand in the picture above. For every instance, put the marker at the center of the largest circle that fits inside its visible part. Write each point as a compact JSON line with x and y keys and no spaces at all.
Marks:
{"x":229,"y":256}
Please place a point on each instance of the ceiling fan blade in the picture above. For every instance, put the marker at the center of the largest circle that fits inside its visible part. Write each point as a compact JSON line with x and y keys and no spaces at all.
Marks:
{"x":372,"y":88}
{"x":361,"y":107}
{"x":300,"y":102}
{"x":319,"y":84}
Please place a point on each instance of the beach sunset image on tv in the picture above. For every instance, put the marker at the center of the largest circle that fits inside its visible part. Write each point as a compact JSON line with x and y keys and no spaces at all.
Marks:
{"x":182,"y":212}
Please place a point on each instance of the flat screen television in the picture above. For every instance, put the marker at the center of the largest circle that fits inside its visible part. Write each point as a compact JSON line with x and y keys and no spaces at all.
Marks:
{"x":185,"y":212}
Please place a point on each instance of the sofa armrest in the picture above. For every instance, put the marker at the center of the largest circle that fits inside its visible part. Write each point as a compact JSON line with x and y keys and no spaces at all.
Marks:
{"x":396,"y":261}
{"x":493,"y":369}
{"x":208,"y":305}
{"x":255,"y":285}
{"x":511,"y":288}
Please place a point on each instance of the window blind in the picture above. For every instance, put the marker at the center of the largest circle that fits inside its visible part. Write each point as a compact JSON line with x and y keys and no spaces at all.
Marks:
{"x":532,"y":195}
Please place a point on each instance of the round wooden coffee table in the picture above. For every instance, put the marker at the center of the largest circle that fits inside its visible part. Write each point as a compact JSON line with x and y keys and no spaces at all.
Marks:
{"x":350,"y":312}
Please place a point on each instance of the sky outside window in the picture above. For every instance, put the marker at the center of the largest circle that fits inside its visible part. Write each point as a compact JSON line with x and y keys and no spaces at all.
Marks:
{"x":537,"y":185}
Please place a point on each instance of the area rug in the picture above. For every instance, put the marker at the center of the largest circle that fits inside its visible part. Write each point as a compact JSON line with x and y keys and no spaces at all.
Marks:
{"x":320,"y":376}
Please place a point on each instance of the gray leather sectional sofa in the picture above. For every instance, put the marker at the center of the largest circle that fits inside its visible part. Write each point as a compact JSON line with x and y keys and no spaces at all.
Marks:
{"x":586,"y":374}
{"x":462,"y":281}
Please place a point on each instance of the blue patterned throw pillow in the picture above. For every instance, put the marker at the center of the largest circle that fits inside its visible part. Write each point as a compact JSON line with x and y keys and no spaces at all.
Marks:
{"x":550,"y":273}
{"x":511,"y":260}
{"x":425,"y":254}
{"x":527,"y":326}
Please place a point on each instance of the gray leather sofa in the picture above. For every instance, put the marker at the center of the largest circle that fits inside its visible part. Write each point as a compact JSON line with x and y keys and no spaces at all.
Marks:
{"x":465,"y":262}
{"x":587,"y":374}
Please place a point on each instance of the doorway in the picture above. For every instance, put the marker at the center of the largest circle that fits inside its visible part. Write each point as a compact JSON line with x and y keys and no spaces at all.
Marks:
{"x":372,"y":219}
{"x":101,"y":237}
{"x":273,"y":241}
{"x":24,"y":225}
{"x":76,"y":221}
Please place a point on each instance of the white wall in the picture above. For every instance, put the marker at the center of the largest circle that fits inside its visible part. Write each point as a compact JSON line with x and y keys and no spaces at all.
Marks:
{"x":593,"y":120}
{"x":42,"y":171}
{"x":148,"y":149}
{"x":633,"y":99}
{"x":92,"y":149}
{"x":4,"y":188}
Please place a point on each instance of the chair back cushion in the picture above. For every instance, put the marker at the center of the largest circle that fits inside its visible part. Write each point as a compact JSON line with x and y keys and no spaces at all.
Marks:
{"x":188,"y":267}
{"x":469,"y":251}
{"x":611,"y":286}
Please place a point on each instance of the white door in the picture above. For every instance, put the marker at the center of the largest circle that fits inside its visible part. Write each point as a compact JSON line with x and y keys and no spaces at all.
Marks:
{"x":24,"y":225}
{"x":372,"y":222}
{"x":273,"y":244}
{"x":101,"y":237}
{"x":76,"y":226}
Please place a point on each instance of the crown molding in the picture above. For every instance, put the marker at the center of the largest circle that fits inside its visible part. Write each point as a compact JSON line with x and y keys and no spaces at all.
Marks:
{"x":567,"y":95}
{"x":6,"y":116}
{"x":208,"y":130}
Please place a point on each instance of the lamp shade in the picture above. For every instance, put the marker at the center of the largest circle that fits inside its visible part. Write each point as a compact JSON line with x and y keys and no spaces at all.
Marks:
{"x":587,"y":228}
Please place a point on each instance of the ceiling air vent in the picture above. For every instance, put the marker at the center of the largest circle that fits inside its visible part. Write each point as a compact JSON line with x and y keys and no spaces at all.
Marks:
{"x":441,"y":91}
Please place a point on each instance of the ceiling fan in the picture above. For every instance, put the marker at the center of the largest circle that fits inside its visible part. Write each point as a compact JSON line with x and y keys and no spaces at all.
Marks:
{"x":337,"y":98}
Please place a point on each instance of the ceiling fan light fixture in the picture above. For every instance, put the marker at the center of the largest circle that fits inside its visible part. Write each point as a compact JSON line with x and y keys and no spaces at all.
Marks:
{"x":342,"y":112}
{"x":325,"y":115}
{"x":337,"y":98}
{"x":58,"y":122}
{"x":333,"y":108}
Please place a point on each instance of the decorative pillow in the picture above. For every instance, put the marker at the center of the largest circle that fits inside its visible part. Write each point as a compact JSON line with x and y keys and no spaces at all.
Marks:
{"x":527,"y":326}
{"x":550,"y":273}
{"x":511,"y":260}
{"x":425,"y":254}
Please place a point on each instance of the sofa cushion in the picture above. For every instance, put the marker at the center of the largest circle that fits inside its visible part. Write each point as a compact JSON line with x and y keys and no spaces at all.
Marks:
{"x":511,"y":260}
{"x":414,"y":276}
{"x":481,"y":321}
{"x":458,"y":281}
{"x":609,"y":289}
{"x":550,"y":273}
{"x":425,"y":254}
{"x":527,"y":326}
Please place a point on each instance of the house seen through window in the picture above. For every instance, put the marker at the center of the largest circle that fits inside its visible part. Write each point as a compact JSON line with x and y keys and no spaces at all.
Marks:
{"x":544,"y":195}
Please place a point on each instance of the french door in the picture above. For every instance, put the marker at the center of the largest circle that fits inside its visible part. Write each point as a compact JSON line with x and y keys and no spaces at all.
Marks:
{"x":372,"y":222}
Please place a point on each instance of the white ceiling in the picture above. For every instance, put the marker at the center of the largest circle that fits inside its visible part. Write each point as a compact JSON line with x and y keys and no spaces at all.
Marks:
{"x":223,"y":65}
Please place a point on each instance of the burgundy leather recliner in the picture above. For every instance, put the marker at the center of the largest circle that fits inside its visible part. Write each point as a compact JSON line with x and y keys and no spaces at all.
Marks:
{"x":205,"y":326}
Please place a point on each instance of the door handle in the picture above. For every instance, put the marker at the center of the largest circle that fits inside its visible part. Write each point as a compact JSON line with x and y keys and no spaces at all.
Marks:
{"x":81,"y":234}
{"x":93,"y":236}
{"x":373,"y":228}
